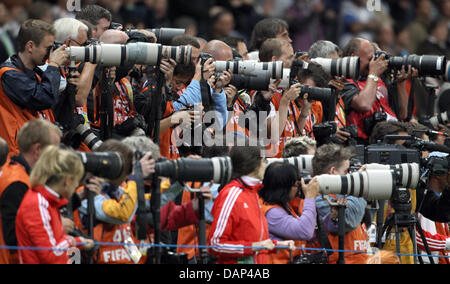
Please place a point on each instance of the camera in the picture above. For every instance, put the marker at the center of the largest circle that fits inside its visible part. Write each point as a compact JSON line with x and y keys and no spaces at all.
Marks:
{"x":108,"y":165}
{"x":259,"y":82}
{"x":347,"y":67}
{"x":387,"y":154}
{"x":433,"y":122}
{"x":427,"y":65}
{"x":134,"y":53}
{"x":251,"y":68}
{"x":86,"y":133}
{"x":325,"y":133}
{"x":371,"y":121}
{"x":204,"y":57}
{"x":371,"y":184}
{"x":218,"y":169}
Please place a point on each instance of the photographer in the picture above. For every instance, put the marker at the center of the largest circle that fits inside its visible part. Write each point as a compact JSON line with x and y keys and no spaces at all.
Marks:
{"x":335,"y":160}
{"x":282,"y":184}
{"x":53,"y":180}
{"x":238,"y":219}
{"x":266,"y":29}
{"x":284,"y":114}
{"x":98,"y":16}
{"x":116,"y":206}
{"x":367,"y":100}
{"x":299,"y":146}
{"x":33,"y":138}
{"x":327,"y":49}
{"x":26,"y":91}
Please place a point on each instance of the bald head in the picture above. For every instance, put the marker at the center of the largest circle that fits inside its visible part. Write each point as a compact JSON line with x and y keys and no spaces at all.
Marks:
{"x":114,"y":36}
{"x":219,"y":50}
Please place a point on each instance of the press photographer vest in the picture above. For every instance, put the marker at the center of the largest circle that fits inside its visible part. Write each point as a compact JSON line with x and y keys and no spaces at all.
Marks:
{"x":282,"y":256}
{"x":13,"y":117}
{"x":381,"y":103}
{"x":233,"y":125}
{"x":11,"y":172}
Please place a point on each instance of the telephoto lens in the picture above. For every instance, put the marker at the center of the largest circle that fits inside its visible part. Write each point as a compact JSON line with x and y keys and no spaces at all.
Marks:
{"x":347,"y":67}
{"x":303,"y":162}
{"x":371,"y":185}
{"x":218,"y":169}
{"x":317,"y":94}
{"x":165,"y":35}
{"x":251,"y":68}
{"x":260,"y":82}
{"x":427,"y":65}
{"x":134,"y":53}
{"x":108,"y":165}
{"x":442,"y":118}
{"x":408,"y":174}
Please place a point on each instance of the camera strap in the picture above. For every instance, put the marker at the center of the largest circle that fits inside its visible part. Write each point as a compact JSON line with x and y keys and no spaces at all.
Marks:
{"x":141,"y":216}
{"x":206,"y":95}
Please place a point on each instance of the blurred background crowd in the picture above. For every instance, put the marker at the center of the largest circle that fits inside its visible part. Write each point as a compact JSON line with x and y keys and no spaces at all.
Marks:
{"x":399,"y":26}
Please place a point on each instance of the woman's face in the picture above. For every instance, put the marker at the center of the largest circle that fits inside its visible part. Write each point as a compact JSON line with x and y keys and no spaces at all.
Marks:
{"x":70,"y":185}
{"x":294,"y":190}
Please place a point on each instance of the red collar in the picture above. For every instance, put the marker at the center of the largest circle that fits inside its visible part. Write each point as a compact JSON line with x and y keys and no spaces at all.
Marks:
{"x":55,"y":201}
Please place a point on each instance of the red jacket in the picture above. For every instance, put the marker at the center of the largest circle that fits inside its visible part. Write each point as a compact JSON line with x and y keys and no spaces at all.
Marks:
{"x":238,"y":222}
{"x":38,"y":224}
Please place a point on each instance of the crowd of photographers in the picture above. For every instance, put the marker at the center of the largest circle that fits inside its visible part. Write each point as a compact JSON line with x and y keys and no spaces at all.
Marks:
{"x":100,"y":129}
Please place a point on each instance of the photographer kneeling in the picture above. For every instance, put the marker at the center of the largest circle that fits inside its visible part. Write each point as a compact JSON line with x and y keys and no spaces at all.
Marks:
{"x":53,"y":180}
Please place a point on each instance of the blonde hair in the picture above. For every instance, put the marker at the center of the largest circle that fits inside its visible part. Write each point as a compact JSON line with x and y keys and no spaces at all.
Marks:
{"x":36,"y":131}
{"x":54,"y":165}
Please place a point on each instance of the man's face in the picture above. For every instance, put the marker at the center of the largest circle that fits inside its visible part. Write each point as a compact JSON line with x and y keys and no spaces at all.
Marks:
{"x":284,"y":35}
{"x":366,"y":53}
{"x":179,"y":82}
{"x":81,"y":38}
{"x":39,"y":53}
{"x":287,"y":55}
{"x":242,"y":50}
{"x":102,"y":26}
{"x":341,"y":169}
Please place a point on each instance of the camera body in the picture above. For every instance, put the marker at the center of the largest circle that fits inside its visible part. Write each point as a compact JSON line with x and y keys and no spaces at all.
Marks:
{"x":311,"y":258}
{"x":371,"y":121}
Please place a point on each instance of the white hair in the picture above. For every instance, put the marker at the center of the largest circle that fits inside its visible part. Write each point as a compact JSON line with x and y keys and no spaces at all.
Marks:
{"x":68,"y":28}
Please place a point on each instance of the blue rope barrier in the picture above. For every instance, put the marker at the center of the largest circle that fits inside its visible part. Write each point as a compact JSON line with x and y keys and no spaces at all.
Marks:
{"x":207,"y":247}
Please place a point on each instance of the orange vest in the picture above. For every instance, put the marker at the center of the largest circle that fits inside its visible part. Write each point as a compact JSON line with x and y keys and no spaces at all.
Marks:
{"x":357,"y":240}
{"x":233,"y":124}
{"x":340,"y":114}
{"x":13,"y":117}
{"x":188,"y":235}
{"x":10,"y":173}
{"x":167,"y":142}
{"x":282,"y":256}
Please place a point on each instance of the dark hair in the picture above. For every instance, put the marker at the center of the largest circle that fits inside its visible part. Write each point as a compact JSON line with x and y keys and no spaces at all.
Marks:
{"x":185,"y":39}
{"x":352,"y":47}
{"x":384,"y":128}
{"x":93,"y":13}
{"x":113,"y":145}
{"x":264,"y":29}
{"x":38,"y":9}
{"x":187,"y":70}
{"x":245,"y":160}
{"x":328,"y":156}
{"x":34,"y":30}
{"x":416,"y":129}
{"x":316,"y":73}
{"x":279,"y":178}
{"x":232,"y":41}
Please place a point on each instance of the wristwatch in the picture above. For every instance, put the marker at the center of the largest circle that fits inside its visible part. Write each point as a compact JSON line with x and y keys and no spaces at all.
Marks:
{"x":373,"y":77}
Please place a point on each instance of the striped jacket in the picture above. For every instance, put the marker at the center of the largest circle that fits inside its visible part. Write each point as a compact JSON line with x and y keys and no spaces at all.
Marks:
{"x":238,"y":222}
{"x":38,"y":224}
